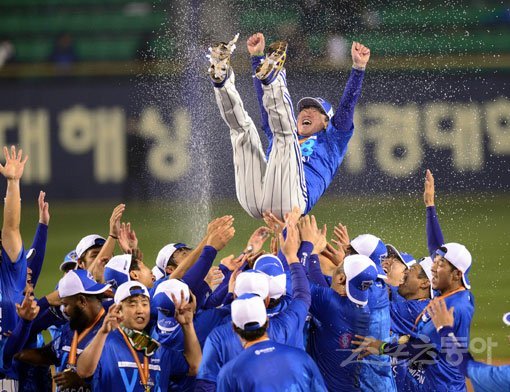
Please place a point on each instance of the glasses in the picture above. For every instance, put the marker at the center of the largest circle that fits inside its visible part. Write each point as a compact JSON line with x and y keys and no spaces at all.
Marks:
{"x":141,"y":341}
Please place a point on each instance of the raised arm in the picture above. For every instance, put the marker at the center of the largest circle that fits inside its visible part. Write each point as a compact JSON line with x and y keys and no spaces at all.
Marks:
{"x":90,"y":356}
{"x":434,"y":234}
{"x":40,"y":238}
{"x":343,"y":118}
{"x":12,"y":171}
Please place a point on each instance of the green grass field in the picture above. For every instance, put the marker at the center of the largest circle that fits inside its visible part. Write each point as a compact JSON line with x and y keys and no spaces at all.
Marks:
{"x":480,"y":222}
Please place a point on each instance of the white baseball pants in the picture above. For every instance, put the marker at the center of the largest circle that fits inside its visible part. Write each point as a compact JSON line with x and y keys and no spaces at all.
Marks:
{"x":276,"y":185}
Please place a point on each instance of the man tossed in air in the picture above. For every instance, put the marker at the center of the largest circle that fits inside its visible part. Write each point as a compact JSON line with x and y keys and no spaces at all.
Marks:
{"x":303,"y":154}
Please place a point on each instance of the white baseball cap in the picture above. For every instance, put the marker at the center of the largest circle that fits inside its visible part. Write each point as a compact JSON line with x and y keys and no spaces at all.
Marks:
{"x":459,"y":257}
{"x":371,"y":246}
{"x":252,"y":282}
{"x":166,"y":252}
{"x":360,"y":273}
{"x":273,"y":268}
{"x":405,"y":258}
{"x":116,"y":271}
{"x":163,"y":294}
{"x":88,"y":242}
{"x":249,"y":312}
{"x":79,"y":282}
{"x":128,"y":289}
{"x":426,"y":264}
{"x":158,"y":274}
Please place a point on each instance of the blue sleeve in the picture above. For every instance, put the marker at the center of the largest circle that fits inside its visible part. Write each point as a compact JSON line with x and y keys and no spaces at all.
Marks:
{"x":16,"y":341}
{"x":304,"y":251}
{"x":198,"y":271}
{"x":39,"y":244}
{"x":218,"y":296}
{"x":14,"y":273}
{"x":201,"y":293}
{"x":255,"y":61}
{"x":300,"y":285}
{"x":319,"y":306}
{"x":211,"y":361}
{"x":315,"y":274}
{"x":343,"y":118}
{"x":434,"y":234}
{"x":488,"y":378}
{"x":46,"y":319}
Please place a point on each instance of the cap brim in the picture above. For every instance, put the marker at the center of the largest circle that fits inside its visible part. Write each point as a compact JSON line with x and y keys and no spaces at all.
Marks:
{"x":98,"y":288}
{"x":67,"y":263}
{"x":359,"y":297}
{"x":394,"y":251}
{"x":309,"y":101}
{"x":465,"y":282}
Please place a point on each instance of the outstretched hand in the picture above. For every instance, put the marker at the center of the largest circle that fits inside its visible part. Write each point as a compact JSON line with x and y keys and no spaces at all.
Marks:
{"x":14,"y":164}
{"x":256,"y":44}
{"x":28,"y":310}
{"x":429,"y":189}
{"x":360,"y":55}
{"x":44,"y":209}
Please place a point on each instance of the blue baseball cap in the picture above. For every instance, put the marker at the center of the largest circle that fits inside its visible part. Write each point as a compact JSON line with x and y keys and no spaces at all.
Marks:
{"x":70,"y":261}
{"x":407,"y":259}
{"x":506,"y":318}
{"x":371,"y":246}
{"x":162,"y":299}
{"x":273,"y":268}
{"x":116,"y":271}
{"x":319,"y":103}
{"x":79,"y":282}
{"x":360,"y":273}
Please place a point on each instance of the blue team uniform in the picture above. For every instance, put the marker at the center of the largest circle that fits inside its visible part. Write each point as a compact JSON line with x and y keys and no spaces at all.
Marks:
{"x":13,"y":279}
{"x":337,"y":321}
{"x":223,"y":344}
{"x":377,"y":373}
{"x":442,"y":375}
{"x":269,"y":366}
{"x":403,"y":316}
{"x":62,"y":345}
{"x":117,"y":368}
{"x":484,"y":378}
{"x":324,"y":151}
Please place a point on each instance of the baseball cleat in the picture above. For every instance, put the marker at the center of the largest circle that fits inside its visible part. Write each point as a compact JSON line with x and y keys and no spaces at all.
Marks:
{"x":219,"y":57}
{"x":271,"y":66}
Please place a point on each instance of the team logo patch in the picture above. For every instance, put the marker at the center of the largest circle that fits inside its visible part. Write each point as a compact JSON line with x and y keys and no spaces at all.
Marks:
{"x":307,"y":147}
{"x":345,"y":340}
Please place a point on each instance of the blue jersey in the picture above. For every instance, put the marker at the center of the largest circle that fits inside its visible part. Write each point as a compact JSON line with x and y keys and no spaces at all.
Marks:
{"x":487,"y":378}
{"x":323,"y":152}
{"x":339,"y":319}
{"x":62,"y":345}
{"x":444,"y":375}
{"x":377,"y":373}
{"x":403,"y":316}
{"x":223,"y":344}
{"x":269,"y":366}
{"x":13,"y":279}
{"x":117,"y":369}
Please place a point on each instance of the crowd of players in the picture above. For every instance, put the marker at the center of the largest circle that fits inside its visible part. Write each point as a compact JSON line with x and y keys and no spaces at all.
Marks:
{"x":307,"y":315}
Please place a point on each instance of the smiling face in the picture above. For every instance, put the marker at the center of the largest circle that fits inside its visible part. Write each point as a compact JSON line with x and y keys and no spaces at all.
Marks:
{"x":414,"y":280}
{"x":311,"y":120}
{"x":136,"y":312}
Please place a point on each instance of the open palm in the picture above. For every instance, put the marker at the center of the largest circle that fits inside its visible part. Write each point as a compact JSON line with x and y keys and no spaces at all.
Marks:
{"x":14,"y":164}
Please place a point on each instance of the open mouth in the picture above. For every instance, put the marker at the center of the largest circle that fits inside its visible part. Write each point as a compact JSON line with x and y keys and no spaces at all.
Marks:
{"x":140,"y":319}
{"x":306,"y":122}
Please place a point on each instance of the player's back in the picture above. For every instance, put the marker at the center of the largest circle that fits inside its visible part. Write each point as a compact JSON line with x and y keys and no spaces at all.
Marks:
{"x":270,"y":366}
{"x":337,"y":320}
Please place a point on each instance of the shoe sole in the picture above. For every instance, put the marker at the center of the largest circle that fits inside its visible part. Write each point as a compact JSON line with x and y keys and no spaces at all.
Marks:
{"x":274,"y":61}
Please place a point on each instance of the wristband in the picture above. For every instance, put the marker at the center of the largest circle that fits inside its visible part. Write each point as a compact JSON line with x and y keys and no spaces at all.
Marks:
{"x":115,"y":238}
{"x":381,"y":348}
